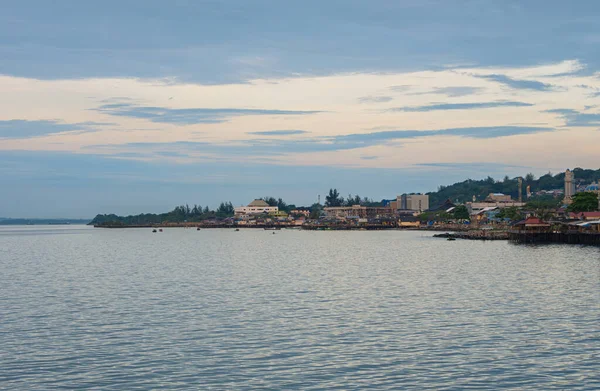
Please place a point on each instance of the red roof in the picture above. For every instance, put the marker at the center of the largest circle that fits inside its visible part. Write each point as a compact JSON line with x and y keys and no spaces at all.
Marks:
{"x":585,"y":215}
{"x":532,"y":221}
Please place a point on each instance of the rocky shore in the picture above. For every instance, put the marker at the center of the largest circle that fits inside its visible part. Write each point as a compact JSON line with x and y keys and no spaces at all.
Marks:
{"x":475,"y":235}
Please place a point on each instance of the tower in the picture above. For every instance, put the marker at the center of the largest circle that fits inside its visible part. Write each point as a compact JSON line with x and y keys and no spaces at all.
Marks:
{"x":569,"y":186}
{"x":520,"y":189}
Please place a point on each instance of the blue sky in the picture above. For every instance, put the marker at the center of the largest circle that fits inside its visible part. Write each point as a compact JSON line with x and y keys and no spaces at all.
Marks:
{"x":138,"y":106}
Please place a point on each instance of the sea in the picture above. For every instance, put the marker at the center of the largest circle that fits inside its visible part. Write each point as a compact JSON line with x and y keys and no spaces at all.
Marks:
{"x":215,"y":309}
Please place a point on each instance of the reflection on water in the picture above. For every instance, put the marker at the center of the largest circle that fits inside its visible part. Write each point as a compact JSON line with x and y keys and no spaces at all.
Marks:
{"x":218,"y":309}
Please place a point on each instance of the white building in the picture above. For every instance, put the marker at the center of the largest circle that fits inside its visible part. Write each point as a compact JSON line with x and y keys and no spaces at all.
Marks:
{"x":256,"y":207}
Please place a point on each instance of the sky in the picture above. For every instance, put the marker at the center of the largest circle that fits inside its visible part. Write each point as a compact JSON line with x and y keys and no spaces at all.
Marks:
{"x":137,"y":106}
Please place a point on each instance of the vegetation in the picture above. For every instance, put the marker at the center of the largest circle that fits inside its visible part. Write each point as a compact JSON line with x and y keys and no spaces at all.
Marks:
{"x":584,"y":202}
{"x":460,"y":213}
{"x":334,"y":199}
{"x":513,"y":213}
{"x":180,"y":214}
{"x":464,"y":191}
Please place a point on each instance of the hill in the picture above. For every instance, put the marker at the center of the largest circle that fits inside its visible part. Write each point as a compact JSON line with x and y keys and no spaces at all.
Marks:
{"x":464,"y":191}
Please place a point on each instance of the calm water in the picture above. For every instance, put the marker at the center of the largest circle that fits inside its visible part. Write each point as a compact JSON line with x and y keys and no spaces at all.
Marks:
{"x":84,"y":308}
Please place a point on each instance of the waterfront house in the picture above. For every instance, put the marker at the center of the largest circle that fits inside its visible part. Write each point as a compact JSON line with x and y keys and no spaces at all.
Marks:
{"x":532,"y":224}
{"x":584,"y":216}
{"x":409,"y":222}
{"x":256,"y":207}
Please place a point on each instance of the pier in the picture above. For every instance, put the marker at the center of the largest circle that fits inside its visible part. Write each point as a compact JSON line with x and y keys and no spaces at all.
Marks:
{"x":569,"y":237}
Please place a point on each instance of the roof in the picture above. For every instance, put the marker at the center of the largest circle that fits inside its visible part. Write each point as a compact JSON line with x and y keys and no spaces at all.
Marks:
{"x":258,"y":203}
{"x":532,"y":222}
{"x":585,"y":215}
{"x":487,"y":209}
{"x":443,"y":206}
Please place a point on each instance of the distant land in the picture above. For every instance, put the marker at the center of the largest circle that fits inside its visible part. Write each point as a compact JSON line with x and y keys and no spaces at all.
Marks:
{"x":462,"y":192}
{"x":18,"y":221}
{"x":459,"y":193}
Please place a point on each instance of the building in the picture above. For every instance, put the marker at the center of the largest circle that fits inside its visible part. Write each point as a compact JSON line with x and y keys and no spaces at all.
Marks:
{"x":300,"y":212}
{"x":476,"y":207}
{"x":569,"y":186}
{"x":409,"y":221}
{"x":358,"y":212}
{"x":417,"y":202}
{"x":498,"y":197}
{"x":256,"y":207}
{"x":587,"y":216}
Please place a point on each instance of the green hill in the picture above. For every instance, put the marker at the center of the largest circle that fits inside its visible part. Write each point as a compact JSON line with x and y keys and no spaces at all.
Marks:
{"x":464,"y":191}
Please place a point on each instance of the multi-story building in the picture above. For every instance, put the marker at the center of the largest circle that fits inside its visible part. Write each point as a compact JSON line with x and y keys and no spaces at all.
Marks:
{"x":256,"y":207}
{"x":416,"y":202}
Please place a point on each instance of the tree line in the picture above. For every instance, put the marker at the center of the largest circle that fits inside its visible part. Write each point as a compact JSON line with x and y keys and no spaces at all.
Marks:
{"x":182,"y":213}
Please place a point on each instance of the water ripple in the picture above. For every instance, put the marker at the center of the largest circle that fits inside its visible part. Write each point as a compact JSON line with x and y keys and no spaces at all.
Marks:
{"x":217,"y":310}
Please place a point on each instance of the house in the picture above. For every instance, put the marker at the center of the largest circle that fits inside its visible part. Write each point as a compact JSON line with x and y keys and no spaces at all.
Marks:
{"x":532,"y":224}
{"x":256,"y":207}
{"x":357,"y":211}
{"x":409,"y":221}
{"x":584,"y":216}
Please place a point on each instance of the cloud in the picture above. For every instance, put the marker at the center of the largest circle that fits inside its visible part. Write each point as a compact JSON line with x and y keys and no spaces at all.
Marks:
{"x":517,"y":83}
{"x":369,"y":157}
{"x":375,"y":99}
{"x":188,"y":116}
{"x":400,"y":88}
{"x":457,"y":91}
{"x":280,"y":147}
{"x":575,"y":118}
{"x":461,"y":106}
{"x":19,"y":128}
{"x":278,"y":132}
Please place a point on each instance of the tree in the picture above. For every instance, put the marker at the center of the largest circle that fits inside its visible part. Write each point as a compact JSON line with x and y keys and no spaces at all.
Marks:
{"x":460,"y":213}
{"x":333,"y":198}
{"x":282,"y":205}
{"x":512,"y":213}
{"x":529,"y":177}
{"x":225,"y":209}
{"x":584,"y":202}
{"x":315,"y":211}
{"x":272,"y":201}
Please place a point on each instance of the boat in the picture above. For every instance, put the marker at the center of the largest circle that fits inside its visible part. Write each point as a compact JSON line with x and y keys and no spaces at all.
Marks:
{"x":154,"y":230}
{"x":451,"y":238}
{"x":198,"y":229}
{"x":237,"y":230}
{"x":272,"y":228}
{"x":160,"y":230}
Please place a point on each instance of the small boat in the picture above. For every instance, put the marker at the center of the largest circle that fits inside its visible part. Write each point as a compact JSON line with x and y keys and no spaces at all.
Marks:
{"x":451,"y":238}
{"x":272,"y":228}
{"x":237,"y":230}
{"x":154,"y":230}
{"x":160,"y":230}
{"x":198,"y":229}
